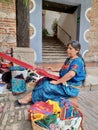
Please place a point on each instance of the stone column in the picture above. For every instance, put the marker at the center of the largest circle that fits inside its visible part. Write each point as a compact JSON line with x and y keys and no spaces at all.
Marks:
{"x":92,"y":33}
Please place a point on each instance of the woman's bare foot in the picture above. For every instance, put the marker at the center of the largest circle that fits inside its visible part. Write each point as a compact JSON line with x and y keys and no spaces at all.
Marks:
{"x":25,"y":100}
{"x":22,"y":101}
{"x":17,"y":103}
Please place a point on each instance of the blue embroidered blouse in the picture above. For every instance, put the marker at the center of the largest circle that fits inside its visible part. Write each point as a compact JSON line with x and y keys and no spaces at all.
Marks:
{"x":76,"y":65}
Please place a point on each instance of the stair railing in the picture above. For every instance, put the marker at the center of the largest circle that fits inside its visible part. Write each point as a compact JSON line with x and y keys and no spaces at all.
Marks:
{"x":65,"y":32}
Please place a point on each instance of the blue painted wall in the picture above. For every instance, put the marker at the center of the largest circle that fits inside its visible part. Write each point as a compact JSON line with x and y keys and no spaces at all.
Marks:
{"x":36,"y":41}
{"x":36,"y":20}
{"x":84,"y":24}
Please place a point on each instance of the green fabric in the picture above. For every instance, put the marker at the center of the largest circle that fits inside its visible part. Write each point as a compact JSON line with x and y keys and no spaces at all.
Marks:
{"x":45,"y":122}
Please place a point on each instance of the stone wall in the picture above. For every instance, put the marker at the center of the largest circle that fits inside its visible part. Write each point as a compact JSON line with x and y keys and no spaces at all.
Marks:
{"x":92,"y":33}
{"x":7,"y":24}
{"x":8,"y":33}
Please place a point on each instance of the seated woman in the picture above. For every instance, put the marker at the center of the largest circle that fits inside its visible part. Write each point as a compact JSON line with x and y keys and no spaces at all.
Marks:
{"x":72,"y":75}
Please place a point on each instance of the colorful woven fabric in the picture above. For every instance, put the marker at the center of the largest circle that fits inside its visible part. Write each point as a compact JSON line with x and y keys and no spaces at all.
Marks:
{"x":44,"y":90}
{"x":18,"y":85}
{"x":45,"y":122}
{"x":56,"y":107}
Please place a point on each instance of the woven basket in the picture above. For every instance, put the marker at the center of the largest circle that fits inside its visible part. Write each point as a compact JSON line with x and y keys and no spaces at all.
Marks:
{"x":36,"y":127}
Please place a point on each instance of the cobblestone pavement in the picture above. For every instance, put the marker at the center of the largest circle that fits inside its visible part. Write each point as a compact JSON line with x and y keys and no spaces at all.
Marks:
{"x":88,"y":103}
{"x":13,"y":118}
{"x":16,"y":118}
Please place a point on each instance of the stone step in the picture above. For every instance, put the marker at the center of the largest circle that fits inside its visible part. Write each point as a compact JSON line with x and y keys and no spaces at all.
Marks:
{"x":49,"y":44}
{"x":53,"y":61}
{"x":54,"y":47}
{"x":54,"y":57}
{"x":54,"y":54}
{"x":53,"y":51}
{"x":52,"y":43}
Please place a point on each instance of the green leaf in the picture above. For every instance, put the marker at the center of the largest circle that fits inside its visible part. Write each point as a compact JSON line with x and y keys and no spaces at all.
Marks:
{"x":26,"y":2}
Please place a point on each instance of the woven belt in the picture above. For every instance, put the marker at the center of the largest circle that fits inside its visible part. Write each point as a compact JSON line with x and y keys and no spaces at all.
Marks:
{"x":78,"y":87}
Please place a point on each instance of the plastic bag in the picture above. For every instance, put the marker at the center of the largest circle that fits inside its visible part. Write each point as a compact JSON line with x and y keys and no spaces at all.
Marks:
{"x":70,"y":117}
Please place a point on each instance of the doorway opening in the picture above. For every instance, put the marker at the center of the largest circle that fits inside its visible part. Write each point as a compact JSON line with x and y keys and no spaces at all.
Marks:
{"x":59,"y":22}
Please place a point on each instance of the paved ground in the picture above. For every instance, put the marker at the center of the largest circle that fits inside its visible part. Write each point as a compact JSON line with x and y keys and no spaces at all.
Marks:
{"x":89,"y":105}
{"x":13,"y":118}
{"x":16,"y":118}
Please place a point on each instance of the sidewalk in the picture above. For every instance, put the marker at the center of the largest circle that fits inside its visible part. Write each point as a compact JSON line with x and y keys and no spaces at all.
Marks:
{"x":16,"y":118}
{"x":92,"y":76}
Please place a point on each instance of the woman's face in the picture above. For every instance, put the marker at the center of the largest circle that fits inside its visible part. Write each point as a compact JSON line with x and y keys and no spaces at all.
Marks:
{"x":71,"y":52}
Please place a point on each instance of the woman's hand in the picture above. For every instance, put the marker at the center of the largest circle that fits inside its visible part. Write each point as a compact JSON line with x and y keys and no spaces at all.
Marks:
{"x":50,"y":68}
{"x":53,"y":82}
{"x":53,"y":70}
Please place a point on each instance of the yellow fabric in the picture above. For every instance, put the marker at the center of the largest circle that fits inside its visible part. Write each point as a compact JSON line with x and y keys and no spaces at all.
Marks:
{"x":56,"y":108}
{"x":37,"y":116}
{"x":80,"y":128}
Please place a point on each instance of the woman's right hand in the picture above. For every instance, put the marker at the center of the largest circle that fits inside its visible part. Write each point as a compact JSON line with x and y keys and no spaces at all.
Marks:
{"x":53,"y":82}
{"x":50,"y":68}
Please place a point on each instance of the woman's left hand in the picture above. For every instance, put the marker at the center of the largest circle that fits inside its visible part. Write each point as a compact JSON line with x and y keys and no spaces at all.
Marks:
{"x":53,"y":82}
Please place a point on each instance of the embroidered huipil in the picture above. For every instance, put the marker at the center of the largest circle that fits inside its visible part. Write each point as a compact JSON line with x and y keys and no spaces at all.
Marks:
{"x":45,"y":91}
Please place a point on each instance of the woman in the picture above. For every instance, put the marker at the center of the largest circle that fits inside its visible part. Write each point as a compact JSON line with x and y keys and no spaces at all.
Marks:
{"x":72,"y":75}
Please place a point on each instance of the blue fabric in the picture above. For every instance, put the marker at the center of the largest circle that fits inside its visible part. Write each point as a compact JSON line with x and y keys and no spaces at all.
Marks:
{"x":17,"y":68}
{"x":76,"y":65}
{"x":45,"y":91}
{"x":18,"y":85}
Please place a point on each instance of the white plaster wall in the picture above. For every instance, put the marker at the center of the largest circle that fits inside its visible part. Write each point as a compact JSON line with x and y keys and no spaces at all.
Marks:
{"x":49,"y":19}
{"x":69,"y":23}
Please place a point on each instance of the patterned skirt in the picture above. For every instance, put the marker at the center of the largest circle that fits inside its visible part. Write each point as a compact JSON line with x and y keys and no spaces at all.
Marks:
{"x":45,"y":91}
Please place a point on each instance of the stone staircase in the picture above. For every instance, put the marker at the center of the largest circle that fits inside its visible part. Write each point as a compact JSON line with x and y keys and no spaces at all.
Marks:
{"x":53,"y":50}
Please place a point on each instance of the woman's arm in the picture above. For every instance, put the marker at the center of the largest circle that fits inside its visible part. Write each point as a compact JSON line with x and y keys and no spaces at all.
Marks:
{"x":53,"y":70}
{"x":65,"y":78}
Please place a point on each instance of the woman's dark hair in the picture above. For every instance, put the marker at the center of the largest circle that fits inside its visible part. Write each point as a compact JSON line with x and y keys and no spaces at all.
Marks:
{"x":77,"y":46}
